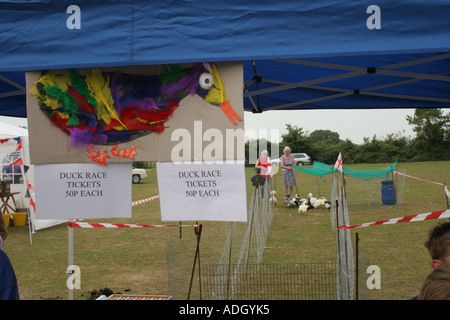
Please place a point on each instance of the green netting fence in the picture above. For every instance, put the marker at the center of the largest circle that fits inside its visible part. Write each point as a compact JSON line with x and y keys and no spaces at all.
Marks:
{"x":322,"y":169}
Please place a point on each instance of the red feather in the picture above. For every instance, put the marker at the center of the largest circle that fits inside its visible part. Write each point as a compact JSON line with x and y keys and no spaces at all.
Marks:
{"x":59,"y":121}
{"x":113,"y":123}
{"x":80,"y":99}
{"x":131,"y":115}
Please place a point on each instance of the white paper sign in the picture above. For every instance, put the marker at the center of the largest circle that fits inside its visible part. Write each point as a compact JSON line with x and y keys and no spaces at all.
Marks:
{"x":83,"y":191}
{"x":202,"y":191}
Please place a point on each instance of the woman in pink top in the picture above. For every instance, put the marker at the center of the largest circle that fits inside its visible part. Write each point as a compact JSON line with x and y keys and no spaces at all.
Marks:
{"x":265,"y":169}
{"x":263,"y":163}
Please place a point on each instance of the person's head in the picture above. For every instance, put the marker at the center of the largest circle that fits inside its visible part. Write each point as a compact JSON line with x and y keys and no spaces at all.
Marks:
{"x":438,"y":244}
{"x":437,"y":285}
{"x":287,"y":150}
{"x":264,"y":154}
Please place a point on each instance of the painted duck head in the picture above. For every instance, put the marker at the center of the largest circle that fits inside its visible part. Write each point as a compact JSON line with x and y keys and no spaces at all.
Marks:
{"x":216,"y":94}
{"x":204,"y":80}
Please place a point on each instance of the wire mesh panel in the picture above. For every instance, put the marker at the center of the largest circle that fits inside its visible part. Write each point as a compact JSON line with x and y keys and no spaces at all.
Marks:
{"x":222,"y":243}
{"x":302,"y":281}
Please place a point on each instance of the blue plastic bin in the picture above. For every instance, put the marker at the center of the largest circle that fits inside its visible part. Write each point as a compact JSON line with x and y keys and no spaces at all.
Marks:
{"x":388,"y":192}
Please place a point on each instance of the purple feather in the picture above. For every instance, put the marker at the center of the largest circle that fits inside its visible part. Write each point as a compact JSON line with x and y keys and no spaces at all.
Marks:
{"x":183,"y":83}
{"x":83,"y":137}
{"x":188,"y":82}
{"x":145,"y":104}
{"x":196,"y":73}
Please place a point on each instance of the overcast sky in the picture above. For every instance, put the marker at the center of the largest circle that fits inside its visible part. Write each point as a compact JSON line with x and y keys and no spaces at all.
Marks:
{"x":354,"y":125}
{"x":350,"y":124}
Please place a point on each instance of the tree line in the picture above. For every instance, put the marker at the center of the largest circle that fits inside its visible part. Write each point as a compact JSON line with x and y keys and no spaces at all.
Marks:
{"x":431,"y":143}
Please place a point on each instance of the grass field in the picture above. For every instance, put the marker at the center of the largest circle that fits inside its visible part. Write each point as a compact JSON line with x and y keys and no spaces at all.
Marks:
{"x":134,"y":261}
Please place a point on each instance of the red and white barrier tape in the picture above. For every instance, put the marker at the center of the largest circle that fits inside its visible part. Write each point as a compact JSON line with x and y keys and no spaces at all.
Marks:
{"x":447,"y":192}
{"x":135,"y":203}
{"x":418,"y":217}
{"x":120,"y":225}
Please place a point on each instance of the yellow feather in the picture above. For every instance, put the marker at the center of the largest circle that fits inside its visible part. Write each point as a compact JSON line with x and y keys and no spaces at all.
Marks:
{"x":216,"y":95}
{"x":34,"y":91}
{"x":63,"y":115}
{"x":51,"y":102}
{"x":58,"y":79}
{"x":100,"y":91}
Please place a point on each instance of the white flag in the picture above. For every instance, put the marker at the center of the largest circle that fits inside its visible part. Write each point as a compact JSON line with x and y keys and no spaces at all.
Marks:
{"x":338,"y":165}
{"x":447,"y":192}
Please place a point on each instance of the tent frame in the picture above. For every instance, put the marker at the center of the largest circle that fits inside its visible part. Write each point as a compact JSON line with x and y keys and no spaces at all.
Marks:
{"x":20,"y":91}
{"x":349,"y":71}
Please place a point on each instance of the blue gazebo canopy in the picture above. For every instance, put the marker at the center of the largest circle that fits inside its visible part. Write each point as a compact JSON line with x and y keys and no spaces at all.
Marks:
{"x":297,"y":54}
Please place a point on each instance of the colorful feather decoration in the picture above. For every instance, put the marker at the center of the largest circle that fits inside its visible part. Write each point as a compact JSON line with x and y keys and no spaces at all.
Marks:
{"x":111,"y":108}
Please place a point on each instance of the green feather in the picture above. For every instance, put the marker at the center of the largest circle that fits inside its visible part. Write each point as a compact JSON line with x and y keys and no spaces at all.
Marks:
{"x":72,"y":122}
{"x":171,"y":73}
{"x":80,"y":86}
{"x":67,"y":101}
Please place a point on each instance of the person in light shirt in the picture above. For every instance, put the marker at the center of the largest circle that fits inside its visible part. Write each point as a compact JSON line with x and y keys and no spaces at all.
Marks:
{"x":287,"y":169}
